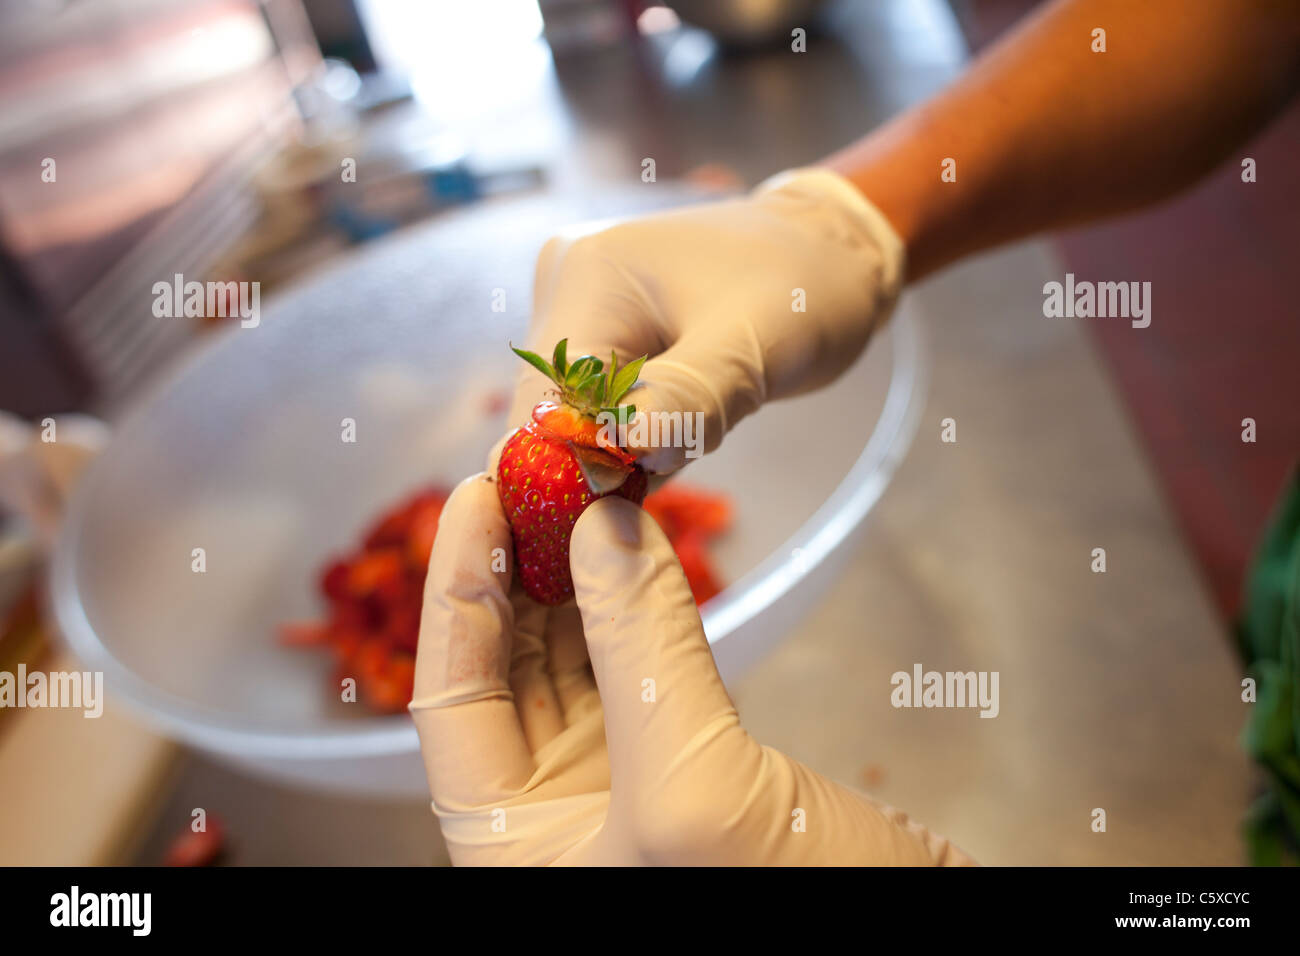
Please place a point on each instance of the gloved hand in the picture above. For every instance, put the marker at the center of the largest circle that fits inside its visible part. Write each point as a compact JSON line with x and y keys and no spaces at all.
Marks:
{"x":711,"y":293}
{"x":526,"y":766}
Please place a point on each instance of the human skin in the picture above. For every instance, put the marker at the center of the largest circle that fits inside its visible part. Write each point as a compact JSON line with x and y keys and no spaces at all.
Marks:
{"x":1047,"y":133}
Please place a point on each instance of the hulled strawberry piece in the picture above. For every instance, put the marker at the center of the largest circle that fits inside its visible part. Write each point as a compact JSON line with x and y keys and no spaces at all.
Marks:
{"x":541,"y":483}
{"x":695,"y":563}
{"x":304,"y":634}
{"x":334,"y":581}
{"x":690,"y":517}
{"x":424,"y":528}
{"x":681,"y":509}
{"x":197,"y":848}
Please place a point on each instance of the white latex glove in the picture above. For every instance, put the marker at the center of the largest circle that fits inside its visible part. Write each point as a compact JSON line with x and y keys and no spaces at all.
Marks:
{"x":514,"y":736}
{"x":709,"y":292}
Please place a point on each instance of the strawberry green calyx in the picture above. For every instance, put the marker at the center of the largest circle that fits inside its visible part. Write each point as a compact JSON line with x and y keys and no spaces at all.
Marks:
{"x":588,"y":384}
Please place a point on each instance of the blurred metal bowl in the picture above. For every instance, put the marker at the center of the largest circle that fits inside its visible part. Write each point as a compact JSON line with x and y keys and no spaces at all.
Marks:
{"x":747,"y":22}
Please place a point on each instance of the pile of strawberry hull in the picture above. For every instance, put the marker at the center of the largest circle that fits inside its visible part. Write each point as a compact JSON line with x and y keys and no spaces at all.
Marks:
{"x":374,"y":596}
{"x":374,"y":593}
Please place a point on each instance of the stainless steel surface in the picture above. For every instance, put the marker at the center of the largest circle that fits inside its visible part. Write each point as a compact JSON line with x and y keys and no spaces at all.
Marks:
{"x":1119,"y":690}
{"x":682,"y":103}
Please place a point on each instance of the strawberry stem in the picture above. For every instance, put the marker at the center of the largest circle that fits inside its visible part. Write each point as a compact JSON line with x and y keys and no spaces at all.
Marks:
{"x":588,"y":384}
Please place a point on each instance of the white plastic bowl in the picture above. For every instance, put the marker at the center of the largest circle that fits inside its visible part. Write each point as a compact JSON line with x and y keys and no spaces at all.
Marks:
{"x":240,"y":453}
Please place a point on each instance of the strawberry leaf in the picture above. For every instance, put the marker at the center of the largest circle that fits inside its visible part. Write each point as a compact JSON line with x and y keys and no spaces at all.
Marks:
{"x":607,"y":387}
{"x":558,"y":360}
{"x":537,"y":362}
{"x":580,"y":369}
{"x":625,"y":379}
{"x":622,"y":413}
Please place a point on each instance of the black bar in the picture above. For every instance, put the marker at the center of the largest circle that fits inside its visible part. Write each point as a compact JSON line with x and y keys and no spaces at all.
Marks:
{"x":435,"y":907}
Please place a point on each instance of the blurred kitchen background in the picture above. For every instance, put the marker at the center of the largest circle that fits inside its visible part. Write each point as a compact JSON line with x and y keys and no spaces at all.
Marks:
{"x":206,"y":137}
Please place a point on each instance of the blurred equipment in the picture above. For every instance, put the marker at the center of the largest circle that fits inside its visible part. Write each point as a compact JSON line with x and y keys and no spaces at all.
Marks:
{"x":743,"y":23}
{"x":127,"y":127}
{"x":41,"y":464}
{"x":37,"y":477}
{"x":572,"y":26}
{"x":209,"y":139}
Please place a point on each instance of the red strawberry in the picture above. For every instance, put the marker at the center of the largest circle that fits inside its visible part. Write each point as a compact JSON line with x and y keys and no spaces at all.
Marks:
{"x":424,"y":527}
{"x":201,"y":848}
{"x":681,"y":509}
{"x":334,"y":581}
{"x":304,"y":634}
{"x":376,"y":573}
{"x":690,"y":517}
{"x":695,"y":564}
{"x":541,"y":485}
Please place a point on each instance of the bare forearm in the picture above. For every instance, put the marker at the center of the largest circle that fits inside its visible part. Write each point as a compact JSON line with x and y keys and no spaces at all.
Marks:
{"x":1045,"y":132}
